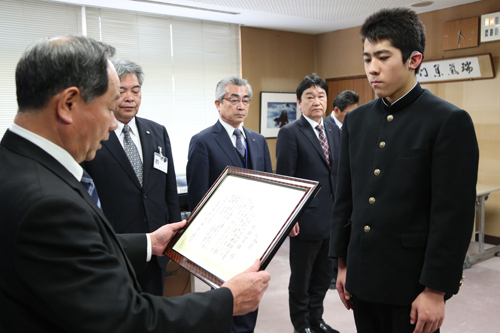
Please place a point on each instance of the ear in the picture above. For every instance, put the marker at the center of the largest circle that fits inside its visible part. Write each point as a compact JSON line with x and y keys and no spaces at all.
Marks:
{"x":298,"y":103}
{"x":69,"y":100}
{"x":415,"y":60}
{"x":336,"y":110}
{"x":217,"y":104}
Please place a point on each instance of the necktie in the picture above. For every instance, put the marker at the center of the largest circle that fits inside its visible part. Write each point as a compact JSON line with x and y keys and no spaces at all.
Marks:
{"x":132,"y":152}
{"x":324,"y":144}
{"x":90,"y":187}
{"x":239,"y":145}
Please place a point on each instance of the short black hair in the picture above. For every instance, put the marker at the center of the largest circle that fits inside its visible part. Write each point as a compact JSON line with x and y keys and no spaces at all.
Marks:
{"x":344,"y":99}
{"x":54,"y":64}
{"x":308,"y":82}
{"x":400,"y":26}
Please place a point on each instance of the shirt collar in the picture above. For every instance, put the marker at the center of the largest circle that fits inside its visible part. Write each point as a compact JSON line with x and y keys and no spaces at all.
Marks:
{"x":132,"y":124}
{"x":312,"y":122}
{"x":230,"y":129}
{"x":59,"y":153}
{"x":337,"y":122}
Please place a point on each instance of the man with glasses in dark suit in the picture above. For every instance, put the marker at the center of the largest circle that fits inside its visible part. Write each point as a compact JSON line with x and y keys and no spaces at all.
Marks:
{"x":226,"y":143}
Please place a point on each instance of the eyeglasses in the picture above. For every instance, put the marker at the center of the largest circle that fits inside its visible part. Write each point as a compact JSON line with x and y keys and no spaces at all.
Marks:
{"x":234,"y":101}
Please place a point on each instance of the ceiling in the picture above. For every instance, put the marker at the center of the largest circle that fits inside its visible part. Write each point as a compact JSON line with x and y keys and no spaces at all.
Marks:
{"x":305,"y":16}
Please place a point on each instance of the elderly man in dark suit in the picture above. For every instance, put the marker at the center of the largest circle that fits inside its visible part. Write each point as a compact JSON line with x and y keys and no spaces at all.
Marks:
{"x":226,"y":143}
{"x":404,"y":212}
{"x":63,"y":267}
{"x":135,"y":169}
{"x":309,"y":148}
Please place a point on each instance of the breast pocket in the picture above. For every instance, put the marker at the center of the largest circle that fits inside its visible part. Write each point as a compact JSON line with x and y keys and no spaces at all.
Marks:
{"x":413,"y":165}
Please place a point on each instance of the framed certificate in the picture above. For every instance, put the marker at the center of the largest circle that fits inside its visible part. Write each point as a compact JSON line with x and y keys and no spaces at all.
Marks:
{"x":245,"y":215}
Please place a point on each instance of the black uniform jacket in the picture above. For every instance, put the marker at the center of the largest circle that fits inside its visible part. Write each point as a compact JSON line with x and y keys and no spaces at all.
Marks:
{"x":405,"y":199}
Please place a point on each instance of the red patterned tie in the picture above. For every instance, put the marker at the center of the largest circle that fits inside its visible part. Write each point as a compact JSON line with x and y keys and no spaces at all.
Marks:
{"x":324,"y":144}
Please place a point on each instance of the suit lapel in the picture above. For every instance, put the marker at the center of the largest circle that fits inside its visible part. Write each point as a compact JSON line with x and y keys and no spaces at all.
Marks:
{"x":26,"y":148}
{"x":115,"y":148}
{"x":308,"y":132}
{"x":147,"y":147}
{"x":225,"y":144}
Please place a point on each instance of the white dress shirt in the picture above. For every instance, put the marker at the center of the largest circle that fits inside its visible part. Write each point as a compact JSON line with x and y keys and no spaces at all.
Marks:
{"x":230,"y":131}
{"x":314,"y":123}
{"x":337,"y":122}
{"x":59,"y":153}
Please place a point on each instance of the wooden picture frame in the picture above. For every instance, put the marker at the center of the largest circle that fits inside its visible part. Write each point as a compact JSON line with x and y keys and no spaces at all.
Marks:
{"x":246,"y":215}
{"x":276,"y":110}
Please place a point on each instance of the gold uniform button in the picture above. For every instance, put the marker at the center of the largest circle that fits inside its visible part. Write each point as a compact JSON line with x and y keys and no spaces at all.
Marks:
{"x":371,"y":200}
{"x":367,"y":229}
{"x":390,"y":117}
{"x":381,"y":144}
{"x":376,"y":172}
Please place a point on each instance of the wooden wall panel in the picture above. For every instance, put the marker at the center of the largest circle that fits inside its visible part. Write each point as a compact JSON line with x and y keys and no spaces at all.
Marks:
{"x":340,"y":55}
{"x":274,"y":61}
{"x":358,"y":84}
{"x":278,"y":61}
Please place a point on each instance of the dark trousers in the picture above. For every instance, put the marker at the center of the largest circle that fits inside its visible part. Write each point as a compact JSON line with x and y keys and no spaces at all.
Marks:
{"x":311,"y":275}
{"x":381,"y":318}
{"x":152,"y":279}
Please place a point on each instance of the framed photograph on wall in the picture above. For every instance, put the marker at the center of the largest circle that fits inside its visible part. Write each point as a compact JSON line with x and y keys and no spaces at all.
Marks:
{"x":276,"y":110}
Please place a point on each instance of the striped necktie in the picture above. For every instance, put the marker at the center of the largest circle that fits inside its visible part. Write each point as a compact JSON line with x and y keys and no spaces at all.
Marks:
{"x":132,"y":153}
{"x":239,"y":145}
{"x":324,"y":144}
{"x":90,"y":187}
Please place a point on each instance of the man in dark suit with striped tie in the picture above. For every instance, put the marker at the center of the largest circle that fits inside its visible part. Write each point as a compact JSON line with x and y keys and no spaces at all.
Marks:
{"x":309,"y":148}
{"x":135,"y":169}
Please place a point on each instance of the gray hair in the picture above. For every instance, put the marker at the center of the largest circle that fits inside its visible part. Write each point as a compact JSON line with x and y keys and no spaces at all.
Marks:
{"x":124,"y":67}
{"x":221,"y":89}
{"x":53,"y":64}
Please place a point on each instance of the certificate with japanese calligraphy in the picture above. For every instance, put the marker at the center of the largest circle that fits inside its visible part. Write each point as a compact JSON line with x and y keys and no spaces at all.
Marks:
{"x":245,"y":216}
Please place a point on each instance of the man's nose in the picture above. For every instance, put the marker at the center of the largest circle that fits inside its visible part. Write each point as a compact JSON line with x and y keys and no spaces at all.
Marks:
{"x":373,"y":67}
{"x":129,"y":97}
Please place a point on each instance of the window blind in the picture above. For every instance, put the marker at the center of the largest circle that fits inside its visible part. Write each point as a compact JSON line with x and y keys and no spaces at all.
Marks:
{"x":23,"y":22}
{"x":182,"y":59}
